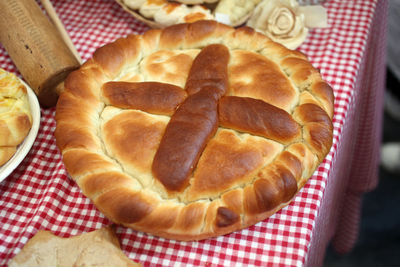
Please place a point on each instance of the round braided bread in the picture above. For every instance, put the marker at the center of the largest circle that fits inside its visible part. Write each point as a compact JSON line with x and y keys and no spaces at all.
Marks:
{"x":195,"y":130}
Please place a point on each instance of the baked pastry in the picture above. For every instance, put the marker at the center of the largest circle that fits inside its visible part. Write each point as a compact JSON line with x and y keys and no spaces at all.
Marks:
{"x":193,"y":131}
{"x":97,"y":248}
{"x":15,"y":114}
{"x":163,"y":13}
{"x":236,"y":12}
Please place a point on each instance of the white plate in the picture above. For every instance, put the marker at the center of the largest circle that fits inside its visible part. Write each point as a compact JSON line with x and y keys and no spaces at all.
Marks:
{"x":26,"y":145}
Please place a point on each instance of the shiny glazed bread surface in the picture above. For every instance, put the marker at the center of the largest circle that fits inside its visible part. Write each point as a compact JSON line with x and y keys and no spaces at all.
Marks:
{"x":195,"y":130}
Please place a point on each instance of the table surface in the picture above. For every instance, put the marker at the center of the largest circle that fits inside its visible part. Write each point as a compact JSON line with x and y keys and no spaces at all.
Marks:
{"x":40,"y":195}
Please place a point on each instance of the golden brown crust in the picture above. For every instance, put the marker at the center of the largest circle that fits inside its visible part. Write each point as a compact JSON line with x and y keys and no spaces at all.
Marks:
{"x":15,"y":114}
{"x":195,"y":121}
{"x":226,"y":217}
{"x":14,"y":128}
{"x":209,"y":69}
{"x":152,"y":97}
{"x":184,"y":139}
{"x":317,"y":129}
{"x":252,"y":122}
{"x":258,"y":117}
{"x":124,"y":205}
{"x":6,"y":153}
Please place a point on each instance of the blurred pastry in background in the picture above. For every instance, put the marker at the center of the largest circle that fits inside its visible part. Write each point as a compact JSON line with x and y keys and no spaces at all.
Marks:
{"x":284,"y":21}
{"x":234,"y":12}
{"x":163,"y":13}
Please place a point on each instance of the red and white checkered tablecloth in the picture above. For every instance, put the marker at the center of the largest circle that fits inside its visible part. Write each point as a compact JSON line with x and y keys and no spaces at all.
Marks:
{"x":40,"y":195}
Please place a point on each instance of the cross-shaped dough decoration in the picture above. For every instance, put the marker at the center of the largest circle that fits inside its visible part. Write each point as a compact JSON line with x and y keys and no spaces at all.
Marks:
{"x":197,"y":112}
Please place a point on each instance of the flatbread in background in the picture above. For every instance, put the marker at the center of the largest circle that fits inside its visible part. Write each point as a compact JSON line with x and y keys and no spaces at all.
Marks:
{"x":97,"y":248}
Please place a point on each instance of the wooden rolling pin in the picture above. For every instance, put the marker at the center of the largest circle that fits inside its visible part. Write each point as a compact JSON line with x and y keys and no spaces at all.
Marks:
{"x":36,"y":48}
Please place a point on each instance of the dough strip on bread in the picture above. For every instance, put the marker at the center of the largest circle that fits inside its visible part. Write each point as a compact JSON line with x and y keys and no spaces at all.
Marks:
{"x":258,"y":117}
{"x":209,"y":69}
{"x":153,"y":97}
{"x":185,"y":137}
{"x":195,"y":121}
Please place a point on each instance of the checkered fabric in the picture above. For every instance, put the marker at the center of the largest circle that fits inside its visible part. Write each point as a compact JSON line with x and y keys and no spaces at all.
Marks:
{"x":39,"y":194}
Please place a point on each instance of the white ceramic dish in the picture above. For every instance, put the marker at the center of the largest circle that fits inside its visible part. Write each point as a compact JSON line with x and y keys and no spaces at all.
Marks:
{"x":26,"y":145}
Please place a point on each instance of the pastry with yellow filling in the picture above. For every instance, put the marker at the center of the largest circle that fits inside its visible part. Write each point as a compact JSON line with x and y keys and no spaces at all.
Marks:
{"x":15,"y":115}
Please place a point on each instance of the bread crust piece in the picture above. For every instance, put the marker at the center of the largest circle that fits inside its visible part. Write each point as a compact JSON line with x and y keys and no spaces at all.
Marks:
{"x":97,"y":248}
{"x":247,"y":169}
